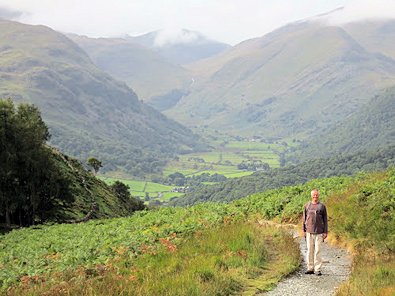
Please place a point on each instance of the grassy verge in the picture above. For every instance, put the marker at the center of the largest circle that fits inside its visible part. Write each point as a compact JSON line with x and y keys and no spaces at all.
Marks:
{"x":363,"y":218}
{"x":219,"y":261}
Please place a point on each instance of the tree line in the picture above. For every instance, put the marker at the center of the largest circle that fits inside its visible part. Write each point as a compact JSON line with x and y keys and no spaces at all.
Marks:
{"x":34,"y":186}
{"x":346,"y":164}
{"x":31,"y":186}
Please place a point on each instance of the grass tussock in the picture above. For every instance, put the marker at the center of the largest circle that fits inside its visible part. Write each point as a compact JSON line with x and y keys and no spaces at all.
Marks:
{"x":221,"y":261}
{"x":363,"y":219}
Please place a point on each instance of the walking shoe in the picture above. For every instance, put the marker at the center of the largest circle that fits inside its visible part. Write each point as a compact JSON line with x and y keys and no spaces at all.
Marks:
{"x":309,"y":272}
{"x":319,"y":273}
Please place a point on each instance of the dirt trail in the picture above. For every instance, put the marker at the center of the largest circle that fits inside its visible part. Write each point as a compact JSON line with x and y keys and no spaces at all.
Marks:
{"x":335,"y":270}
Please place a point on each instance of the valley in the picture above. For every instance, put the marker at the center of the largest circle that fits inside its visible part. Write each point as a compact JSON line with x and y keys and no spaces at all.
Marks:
{"x":228,"y":158}
{"x":169,"y":163}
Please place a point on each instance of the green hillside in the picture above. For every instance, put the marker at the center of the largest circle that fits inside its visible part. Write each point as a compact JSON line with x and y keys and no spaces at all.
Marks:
{"x":144,"y":70}
{"x":93,"y":198}
{"x":371,"y":127}
{"x":346,"y":164}
{"x":289,"y":83}
{"x":88,"y":112}
{"x":125,"y":254}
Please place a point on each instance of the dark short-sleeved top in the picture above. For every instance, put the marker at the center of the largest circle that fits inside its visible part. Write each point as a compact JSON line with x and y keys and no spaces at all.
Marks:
{"x":315,"y":219}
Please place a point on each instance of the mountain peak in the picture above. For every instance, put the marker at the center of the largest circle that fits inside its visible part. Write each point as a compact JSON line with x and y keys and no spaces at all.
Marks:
{"x":180,"y":46}
{"x":176,"y":36}
{"x":170,"y":37}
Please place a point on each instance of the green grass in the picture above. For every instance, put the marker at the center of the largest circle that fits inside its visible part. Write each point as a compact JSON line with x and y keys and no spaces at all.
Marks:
{"x":133,"y":184}
{"x":225,"y":158}
{"x":360,"y":212}
{"x":155,"y":187}
{"x":254,"y":146}
{"x":187,"y":170}
{"x":219,"y":261}
{"x":140,"y":188}
{"x":48,"y":249}
{"x":363,"y":218}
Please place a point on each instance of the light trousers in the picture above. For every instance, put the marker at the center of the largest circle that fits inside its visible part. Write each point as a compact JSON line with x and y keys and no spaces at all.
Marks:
{"x":314,"y":260}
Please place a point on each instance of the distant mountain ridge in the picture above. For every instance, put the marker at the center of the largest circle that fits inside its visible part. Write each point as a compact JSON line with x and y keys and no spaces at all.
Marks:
{"x":88,"y":112}
{"x":291,"y":82}
{"x":151,"y":64}
{"x":374,"y":35}
{"x":181,"y":47}
{"x":140,"y":67}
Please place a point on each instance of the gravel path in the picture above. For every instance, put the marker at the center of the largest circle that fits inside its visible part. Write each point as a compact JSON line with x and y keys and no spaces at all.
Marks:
{"x":336,"y":269}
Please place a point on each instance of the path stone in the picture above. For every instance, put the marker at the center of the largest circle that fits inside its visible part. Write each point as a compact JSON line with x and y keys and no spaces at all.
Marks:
{"x":335,"y":269}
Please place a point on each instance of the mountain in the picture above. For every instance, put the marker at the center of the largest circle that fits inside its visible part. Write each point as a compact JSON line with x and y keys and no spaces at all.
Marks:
{"x":374,"y":35}
{"x":151,"y":64}
{"x":88,"y":112}
{"x":143,"y":69}
{"x":291,"y":82}
{"x":182,"y":46}
{"x":372,"y":127}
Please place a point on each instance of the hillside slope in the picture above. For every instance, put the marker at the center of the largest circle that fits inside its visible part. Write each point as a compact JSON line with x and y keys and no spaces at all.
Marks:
{"x":93,"y":197}
{"x":144,"y":70}
{"x":371,"y":127}
{"x":374,"y":35}
{"x":88,"y":112}
{"x":291,"y":82}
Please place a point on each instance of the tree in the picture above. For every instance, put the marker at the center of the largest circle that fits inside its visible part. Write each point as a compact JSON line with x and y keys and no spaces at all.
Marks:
{"x":121,"y":190}
{"x":31,"y":186}
{"x":177,"y":178}
{"x":94,"y":163}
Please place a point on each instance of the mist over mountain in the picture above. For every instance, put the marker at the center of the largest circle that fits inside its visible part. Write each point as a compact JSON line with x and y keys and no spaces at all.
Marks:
{"x":143,"y":69}
{"x":181,"y":46}
{"x":150,"y":63}
{"x":88,"y":112}
{"x":298,"y":81}
{"x":9,"y":14}
{"x":374,"y":35}
{"x":291,"y":82}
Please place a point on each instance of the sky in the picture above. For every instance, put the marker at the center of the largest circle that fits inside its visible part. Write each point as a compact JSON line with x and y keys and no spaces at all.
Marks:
{"x":229,"y":21}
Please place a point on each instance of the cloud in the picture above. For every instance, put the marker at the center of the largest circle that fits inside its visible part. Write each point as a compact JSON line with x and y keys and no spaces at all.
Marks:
{"x":230,"y":21}
{"x":174,"y":36}
{"x":10,"y":14}
{"x":361,"y":10}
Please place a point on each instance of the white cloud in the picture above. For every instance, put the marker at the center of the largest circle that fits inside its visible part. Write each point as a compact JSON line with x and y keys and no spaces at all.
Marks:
{"x":175,"y":35}
{"x":230,"y":21}
{"x":363,"y":10}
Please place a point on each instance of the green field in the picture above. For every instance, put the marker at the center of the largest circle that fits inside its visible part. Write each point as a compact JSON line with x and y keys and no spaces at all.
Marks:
{"x":225,"y":158}
{"x":140,"y":188}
